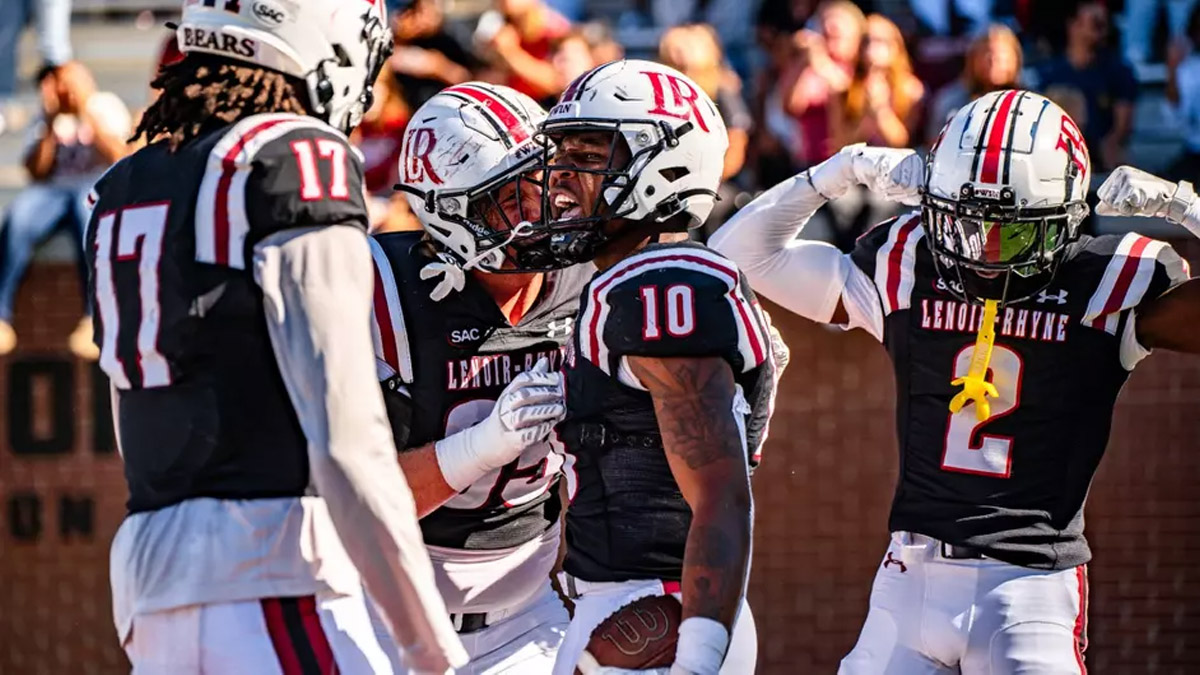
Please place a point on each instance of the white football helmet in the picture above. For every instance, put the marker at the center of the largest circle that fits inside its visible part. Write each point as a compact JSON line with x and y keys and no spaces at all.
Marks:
{"x":1005,"y":190}
{"x":676,"y":139}
{"x":335,"y":46}
{"x":460,"y":149}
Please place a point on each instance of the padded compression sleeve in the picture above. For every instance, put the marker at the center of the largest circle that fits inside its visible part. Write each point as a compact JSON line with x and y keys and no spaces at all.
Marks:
{"x":806,"y":277}
{"x":317,"y":287}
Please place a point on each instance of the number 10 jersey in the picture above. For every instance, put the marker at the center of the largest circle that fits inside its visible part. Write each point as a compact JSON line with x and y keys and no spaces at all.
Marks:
{"x":1014,"y":484}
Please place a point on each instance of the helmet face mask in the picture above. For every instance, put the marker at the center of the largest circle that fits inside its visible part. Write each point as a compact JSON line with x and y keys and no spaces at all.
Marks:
{"x":588,"y":175}
{"x":993,"y":249}
{"x":639,"y":147}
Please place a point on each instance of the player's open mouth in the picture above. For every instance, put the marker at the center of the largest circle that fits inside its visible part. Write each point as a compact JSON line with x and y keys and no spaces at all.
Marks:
{"x":566,"y":206}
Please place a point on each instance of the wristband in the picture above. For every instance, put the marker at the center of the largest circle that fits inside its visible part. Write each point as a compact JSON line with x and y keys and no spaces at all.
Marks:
{"x":701,"y":647}
{"x":1184,"y":208}
{"x":458,"y":461}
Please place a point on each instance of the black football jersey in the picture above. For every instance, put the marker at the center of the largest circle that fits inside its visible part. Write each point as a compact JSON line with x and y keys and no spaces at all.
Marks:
{"x":200,"y":406}
{"x":1014,"y":484}
{"x":628,"y":519}
{"x":444,"y":364}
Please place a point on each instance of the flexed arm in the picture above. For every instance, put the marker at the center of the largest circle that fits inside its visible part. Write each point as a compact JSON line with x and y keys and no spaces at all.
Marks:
{"x":814,"y":279}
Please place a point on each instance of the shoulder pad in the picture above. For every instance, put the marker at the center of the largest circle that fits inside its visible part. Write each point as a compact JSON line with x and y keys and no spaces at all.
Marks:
{"x":272,"y":172}
{"x":1136,"y":269}
{"x":888,"y":255}
{"x":679,"y":300}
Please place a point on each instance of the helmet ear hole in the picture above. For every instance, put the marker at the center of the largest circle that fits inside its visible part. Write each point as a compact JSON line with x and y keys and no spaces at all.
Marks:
{"x":674,"y":173}
{"x":342,"y":57}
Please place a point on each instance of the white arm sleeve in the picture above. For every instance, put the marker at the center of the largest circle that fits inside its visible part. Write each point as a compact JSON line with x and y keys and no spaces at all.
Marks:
{"x":806,"y":277}
{"x":317,"y":288}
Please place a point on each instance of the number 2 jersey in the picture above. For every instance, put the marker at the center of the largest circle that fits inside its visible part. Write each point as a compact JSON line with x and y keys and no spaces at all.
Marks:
{"x":1014,"y":484}
{"x":627,"y":518}
{"x":443,"y":365}
{"x":214,"y":456}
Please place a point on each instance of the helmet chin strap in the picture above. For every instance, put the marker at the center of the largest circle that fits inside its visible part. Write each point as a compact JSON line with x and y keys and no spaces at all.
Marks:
{"x":454,"y":276}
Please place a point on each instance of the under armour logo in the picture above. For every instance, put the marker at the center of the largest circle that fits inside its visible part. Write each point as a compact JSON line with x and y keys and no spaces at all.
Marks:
{"x":892,"y":561}
{"x":1060,"y":297}
{"x":557,"y":329}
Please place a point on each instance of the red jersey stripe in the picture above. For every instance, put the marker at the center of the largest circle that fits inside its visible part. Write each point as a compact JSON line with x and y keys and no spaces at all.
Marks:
{"x":1116,"y":298}
{"x":221,"y":208}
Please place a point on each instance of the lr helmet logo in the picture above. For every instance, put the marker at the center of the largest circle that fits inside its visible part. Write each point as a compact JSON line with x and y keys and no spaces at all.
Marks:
{"x":418,"y":146}
{"x":675,"y":97}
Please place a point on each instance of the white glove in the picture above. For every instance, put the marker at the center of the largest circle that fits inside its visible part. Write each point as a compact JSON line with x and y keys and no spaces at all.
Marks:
{"x":1133,"y":192}
{"x":895,"y":173}
{"x":525,"y":413}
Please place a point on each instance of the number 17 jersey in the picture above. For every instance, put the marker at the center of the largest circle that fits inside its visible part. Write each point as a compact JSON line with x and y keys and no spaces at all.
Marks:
{"x":1014,"y":484}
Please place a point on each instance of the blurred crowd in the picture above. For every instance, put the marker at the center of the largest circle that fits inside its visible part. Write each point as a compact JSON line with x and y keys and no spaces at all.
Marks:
{"x":794,"y":79}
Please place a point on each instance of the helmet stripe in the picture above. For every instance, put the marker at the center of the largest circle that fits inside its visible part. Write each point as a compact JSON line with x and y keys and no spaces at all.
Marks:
{"x":494,"y":105}
{"x":990,"y":173}
{"x":1012,"y":132}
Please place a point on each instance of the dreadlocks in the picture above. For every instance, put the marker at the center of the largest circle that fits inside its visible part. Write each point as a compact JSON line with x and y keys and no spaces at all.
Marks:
{"x":204,"y":92}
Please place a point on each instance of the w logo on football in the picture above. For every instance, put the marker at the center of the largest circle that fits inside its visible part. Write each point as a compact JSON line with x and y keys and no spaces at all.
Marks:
{"x":638,"y":629}
{"x":675,"y":97}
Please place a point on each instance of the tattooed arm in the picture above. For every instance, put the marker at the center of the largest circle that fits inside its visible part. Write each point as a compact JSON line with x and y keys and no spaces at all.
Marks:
{"x":693,"y":401}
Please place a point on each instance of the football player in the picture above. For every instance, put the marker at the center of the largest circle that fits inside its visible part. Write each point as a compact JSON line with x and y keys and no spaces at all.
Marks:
{"x":669,"y":375}
{"x":1011,"y":335}
{"x":232,"y":282}
{"x":469,"y":363}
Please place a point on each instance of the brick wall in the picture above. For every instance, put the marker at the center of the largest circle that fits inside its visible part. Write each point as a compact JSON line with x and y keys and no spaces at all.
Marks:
{"x":822,"y":497}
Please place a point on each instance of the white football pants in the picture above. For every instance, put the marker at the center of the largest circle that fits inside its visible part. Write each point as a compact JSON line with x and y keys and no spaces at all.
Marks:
{"x":931,"y":615}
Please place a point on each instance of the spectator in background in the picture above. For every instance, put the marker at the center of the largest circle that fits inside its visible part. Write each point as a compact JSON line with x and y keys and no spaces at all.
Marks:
{"x":52,"y":21}
{"x":572,"y":56}
{"x":522,"y":45}
{"x":80,"y":133}
{"x":1105,"y":80}
{"x":882,"y":104}
{"x":695,"y":51}
{"x":994,"y":61}
{"x":1183,"y":92}
{"x":381,"y":134}
{"x":379,"y":138}
{"x":1140,"y":19}
{"x":822,"y":70}
{"x":605,"y":48}
{"x":426,"y":58}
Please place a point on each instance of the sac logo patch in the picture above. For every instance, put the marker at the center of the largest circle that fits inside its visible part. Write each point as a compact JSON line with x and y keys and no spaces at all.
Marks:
{"x":464,"y":335}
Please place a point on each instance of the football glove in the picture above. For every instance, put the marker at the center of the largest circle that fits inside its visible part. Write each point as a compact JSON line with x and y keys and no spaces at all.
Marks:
{"x":897,"y":174}
{"x":525,"y":413}
{"x":1132,"y":192}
